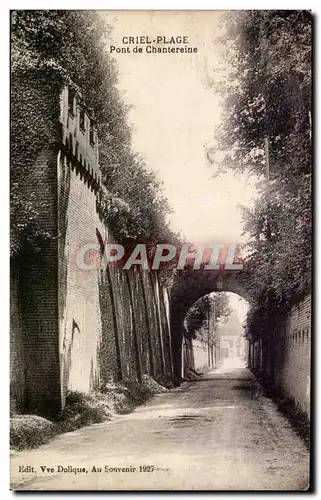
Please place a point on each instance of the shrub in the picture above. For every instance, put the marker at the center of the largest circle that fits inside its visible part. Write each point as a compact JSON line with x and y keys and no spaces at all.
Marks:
{"x":30,"y":431}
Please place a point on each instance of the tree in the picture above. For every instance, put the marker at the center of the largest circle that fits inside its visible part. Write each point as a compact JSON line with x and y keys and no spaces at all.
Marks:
{"x":200,"y":315}
{"x":267,"y":100}
{"x":70,"y":48}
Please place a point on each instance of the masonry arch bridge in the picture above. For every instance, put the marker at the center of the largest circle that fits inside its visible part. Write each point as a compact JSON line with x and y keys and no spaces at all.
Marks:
{"x":189,"y":286}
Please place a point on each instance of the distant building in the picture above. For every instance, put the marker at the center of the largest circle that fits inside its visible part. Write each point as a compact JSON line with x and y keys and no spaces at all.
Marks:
{"x":231,"y":340}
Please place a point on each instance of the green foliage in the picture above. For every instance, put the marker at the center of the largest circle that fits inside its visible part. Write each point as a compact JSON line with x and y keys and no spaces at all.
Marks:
{"x":70,"y":47}
{"x":267,"y":95}
{"x":30,"y":431}
{"x":267,"y":91}
{"x":136,"y":208}
{"x":200,"y":314}
{"x":33,"y":128}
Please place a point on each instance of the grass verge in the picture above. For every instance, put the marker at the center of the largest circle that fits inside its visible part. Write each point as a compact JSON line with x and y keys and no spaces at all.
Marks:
{"x":30,"y":431}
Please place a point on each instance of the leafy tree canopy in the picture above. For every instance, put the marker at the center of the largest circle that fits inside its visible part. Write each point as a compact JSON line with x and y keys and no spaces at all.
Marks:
{"x":266,"y":94}
{"x":206,"y":312}
{"x":72,"y":47}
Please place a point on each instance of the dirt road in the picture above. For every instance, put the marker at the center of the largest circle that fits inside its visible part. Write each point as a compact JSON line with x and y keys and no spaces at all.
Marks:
{"x":218,"y":433}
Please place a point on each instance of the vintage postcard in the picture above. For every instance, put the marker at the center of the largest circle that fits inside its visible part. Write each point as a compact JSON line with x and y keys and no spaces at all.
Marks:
{"x":160,"y":266}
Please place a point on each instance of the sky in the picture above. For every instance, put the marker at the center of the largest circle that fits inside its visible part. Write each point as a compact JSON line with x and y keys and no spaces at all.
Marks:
{"x":239,"y":308}
{"x":174,"y":114}
{"x":239,"y":305}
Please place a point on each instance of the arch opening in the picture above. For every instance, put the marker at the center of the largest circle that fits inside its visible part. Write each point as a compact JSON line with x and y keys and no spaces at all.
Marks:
{"x":188,"y":288}
{"x":215,"y":334}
